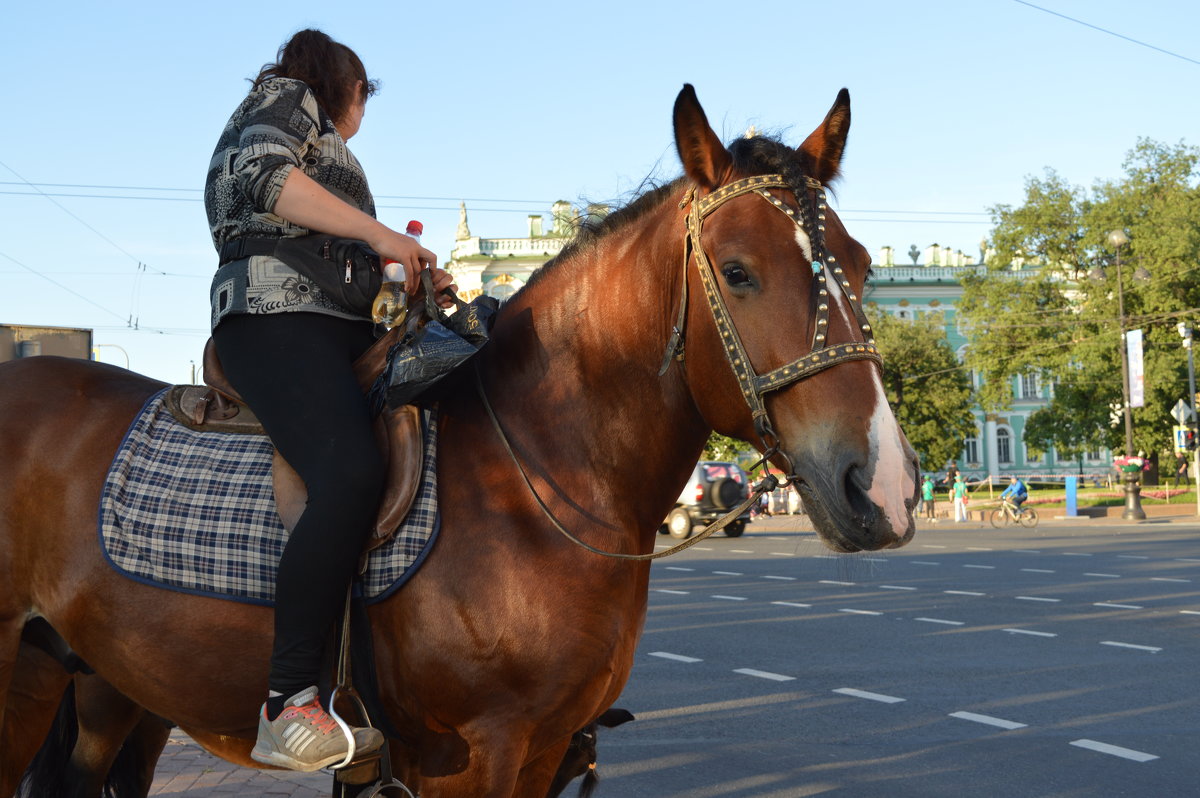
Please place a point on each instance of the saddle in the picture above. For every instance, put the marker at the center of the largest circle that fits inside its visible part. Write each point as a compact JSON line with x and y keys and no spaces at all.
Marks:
{"x":216,"y":407}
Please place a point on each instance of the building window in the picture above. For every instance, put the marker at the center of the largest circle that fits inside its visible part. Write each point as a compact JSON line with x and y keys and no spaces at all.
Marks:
{"x":1095,"y":455}
{"x":971,"y":450}
{"x":1004,"y":447}
{"x":1029,"y":386}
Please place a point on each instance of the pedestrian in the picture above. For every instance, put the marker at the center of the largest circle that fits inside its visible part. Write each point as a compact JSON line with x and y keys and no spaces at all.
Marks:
{"x":1181,"y":469}
{"x":959,"y":492}
{"x":927,"y":498}
{"x":281,"y":169}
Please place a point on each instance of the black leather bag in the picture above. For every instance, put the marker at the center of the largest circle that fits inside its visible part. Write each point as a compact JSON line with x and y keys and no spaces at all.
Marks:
{"x":345,"y":269}
{"x":429,"y":353}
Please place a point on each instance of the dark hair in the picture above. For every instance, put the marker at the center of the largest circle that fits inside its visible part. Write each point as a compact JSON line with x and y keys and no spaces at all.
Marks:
{"x":327,"y":67}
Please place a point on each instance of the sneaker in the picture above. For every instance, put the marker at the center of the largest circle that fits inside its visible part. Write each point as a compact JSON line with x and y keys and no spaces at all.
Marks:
{"x":306,"y":738}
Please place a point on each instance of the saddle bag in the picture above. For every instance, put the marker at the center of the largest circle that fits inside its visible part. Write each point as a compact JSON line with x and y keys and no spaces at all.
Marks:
{"x":345,"y":269}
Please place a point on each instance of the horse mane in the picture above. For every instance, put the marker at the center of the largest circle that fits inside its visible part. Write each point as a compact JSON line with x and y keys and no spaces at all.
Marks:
{"x":756,"y":155}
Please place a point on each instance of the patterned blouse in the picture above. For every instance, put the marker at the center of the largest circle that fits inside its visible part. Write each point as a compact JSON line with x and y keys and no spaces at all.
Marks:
{"x":277,"y":128}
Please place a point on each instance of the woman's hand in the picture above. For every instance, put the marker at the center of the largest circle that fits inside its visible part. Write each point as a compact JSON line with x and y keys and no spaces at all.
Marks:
{"x":413,"y":258}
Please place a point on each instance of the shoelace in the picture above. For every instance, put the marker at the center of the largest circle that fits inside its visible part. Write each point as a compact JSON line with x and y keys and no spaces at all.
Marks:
{"x":313,"y":713}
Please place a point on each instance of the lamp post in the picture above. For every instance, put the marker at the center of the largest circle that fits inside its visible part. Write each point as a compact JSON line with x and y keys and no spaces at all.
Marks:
{"x":1185,"y":332}
{"x":1133,"y":489}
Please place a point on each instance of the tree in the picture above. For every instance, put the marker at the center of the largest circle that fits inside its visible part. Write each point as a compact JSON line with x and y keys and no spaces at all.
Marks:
{"x":1047,"y":301}
{"x":925,"y":384}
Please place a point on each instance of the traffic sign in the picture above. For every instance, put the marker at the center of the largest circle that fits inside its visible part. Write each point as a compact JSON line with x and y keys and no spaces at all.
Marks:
{"x":1182,"y":412}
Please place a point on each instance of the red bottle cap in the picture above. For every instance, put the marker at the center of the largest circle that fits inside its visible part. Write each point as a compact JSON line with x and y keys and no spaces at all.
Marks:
{"x":415,"y":228}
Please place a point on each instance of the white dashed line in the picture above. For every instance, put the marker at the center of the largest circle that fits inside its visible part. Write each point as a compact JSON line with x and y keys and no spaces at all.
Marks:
{"x":1036,"y":598}
{"x":1186,"y":559}
{"x":988,"y":720}
{"x":1151,"y":649}
{"x":674,"y":657}
{"x":730,"y":598}
{"x":963,"y":593}
{"x":987,"y":567}
{"x":792,"y":604}
{"x":728,"y":573}
{"x":931,"y":546}
{"x":1186,"y":612}
{"x":703,"y":548}
{"x":1027,"y":551}
{"x":742,"y":551}
{"x":832,"y":582}
{"x":1075,"y":554}
{"x":979,"y":548}
{"x":1118,"y":606}
{"x":775,"y":677}
{"x":1132,"y":557}
{"x":896,"y":587}
{"x":672,"y":592}
{"x":939,"y":620}
{"x":1029,"y":632}
{"x":1114,"y":750}
{"x":782,"y":554}
{"x":678,"y":568}
{"x":862,"y":612}
{"x":1037,"y":571}
{"x":1106,"y":576}
{"x":883,"y":699}
{"x":783,"y":578}
{"x":1167,"y":579}
{"x":924,"y":562}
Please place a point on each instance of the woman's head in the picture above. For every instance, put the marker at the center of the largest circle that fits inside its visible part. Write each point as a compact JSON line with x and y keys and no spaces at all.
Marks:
{"x":331,"y":69}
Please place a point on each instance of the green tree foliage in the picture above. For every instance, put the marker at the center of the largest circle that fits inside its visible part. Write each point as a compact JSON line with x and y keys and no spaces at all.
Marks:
{"x":1047,"y":302}
{"x":925,"y":384}
{"x":724,"y":448}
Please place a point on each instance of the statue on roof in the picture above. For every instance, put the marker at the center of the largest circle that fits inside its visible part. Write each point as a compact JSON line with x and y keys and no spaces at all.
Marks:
{"x":464,"y":231}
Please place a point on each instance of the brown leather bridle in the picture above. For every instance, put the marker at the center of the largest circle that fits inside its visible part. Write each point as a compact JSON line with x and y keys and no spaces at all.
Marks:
{"x":821,"y":355}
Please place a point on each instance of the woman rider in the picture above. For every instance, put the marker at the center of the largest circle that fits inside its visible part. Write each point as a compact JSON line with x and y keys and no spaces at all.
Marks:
{"x":281,"y":169}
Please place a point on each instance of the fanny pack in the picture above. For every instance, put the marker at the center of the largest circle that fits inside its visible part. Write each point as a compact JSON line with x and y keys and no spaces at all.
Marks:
{"x":345,"y":269}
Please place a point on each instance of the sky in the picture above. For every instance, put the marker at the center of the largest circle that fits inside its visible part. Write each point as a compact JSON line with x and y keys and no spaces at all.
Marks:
{"x":114,"y":109}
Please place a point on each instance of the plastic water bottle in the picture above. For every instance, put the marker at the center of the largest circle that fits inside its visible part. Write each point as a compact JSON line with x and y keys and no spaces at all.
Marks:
{"x":391,"y":303}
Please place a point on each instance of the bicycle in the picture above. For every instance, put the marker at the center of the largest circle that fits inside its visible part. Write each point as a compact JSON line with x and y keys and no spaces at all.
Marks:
{"x":1007,"y":513}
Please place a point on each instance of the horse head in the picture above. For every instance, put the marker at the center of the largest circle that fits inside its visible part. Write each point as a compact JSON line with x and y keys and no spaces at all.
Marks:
{"x":778,"y":350}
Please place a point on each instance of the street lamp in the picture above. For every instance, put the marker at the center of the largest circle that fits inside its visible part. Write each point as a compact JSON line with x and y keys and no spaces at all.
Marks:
{"x":1133,"y":489}
{"x":1185,"y":332}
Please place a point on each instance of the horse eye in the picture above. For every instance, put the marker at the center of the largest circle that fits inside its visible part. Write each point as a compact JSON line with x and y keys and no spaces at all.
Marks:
{"x":735,"y":275}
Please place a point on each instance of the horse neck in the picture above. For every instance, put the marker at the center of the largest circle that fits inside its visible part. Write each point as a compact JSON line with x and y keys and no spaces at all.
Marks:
{"x":574,"y":365}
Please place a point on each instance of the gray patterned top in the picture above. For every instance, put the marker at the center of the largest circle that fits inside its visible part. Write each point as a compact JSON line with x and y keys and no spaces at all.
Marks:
{"x":277,"y":128}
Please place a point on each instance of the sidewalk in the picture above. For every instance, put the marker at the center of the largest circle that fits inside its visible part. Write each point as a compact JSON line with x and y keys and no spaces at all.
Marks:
{"x":187,"y":771}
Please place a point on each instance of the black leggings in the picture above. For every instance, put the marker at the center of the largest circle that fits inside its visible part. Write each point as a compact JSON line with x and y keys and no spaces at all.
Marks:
{"x":294,"y":370}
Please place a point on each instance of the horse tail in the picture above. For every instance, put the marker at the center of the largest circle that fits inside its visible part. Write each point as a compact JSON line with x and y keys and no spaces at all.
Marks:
{"x":47,"y":773}
{"x":53,"y":773}
{"x":591,"y":780}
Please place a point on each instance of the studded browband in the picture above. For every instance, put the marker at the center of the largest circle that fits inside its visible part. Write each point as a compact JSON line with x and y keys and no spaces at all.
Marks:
{"x":822,"y":356}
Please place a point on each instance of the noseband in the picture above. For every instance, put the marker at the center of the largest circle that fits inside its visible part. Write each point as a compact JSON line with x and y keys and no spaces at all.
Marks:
{"x":821,"y":354}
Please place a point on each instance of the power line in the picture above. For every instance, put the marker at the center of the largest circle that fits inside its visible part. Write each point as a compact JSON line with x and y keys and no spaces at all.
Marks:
{"x":1110,"y":32}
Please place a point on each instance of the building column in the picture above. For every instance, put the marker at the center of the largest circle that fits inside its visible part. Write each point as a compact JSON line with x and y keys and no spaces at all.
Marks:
{"x":989,"y":437}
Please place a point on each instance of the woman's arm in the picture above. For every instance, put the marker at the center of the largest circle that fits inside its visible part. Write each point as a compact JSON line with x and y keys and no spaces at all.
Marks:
{"x":305,"y":202}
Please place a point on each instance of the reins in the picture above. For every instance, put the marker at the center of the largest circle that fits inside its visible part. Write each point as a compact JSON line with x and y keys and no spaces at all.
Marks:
{"x":753,"y":386}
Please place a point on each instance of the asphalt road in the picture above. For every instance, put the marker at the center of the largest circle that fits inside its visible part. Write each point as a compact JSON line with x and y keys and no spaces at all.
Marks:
{"x":1058,"y":661}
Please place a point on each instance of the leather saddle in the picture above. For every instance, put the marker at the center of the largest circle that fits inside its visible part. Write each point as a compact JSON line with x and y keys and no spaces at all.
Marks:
{"x":216,"y":407}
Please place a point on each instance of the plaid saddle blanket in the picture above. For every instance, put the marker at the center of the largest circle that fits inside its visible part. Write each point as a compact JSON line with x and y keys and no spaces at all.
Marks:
{"x":195,"y":512}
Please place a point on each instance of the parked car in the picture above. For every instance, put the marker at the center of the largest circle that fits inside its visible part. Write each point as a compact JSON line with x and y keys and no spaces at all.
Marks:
{"x":713,"y":490}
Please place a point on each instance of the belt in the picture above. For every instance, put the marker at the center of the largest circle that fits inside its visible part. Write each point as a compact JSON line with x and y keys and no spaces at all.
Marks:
{"x":245,"y":247}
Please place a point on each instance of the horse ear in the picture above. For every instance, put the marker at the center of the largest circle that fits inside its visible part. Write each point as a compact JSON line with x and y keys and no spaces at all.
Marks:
{"x":705,"y":159}
{"x":825,"y":145}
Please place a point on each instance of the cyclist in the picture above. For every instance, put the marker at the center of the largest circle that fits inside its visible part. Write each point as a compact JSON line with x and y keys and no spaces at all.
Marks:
{"x":1017,"y":490}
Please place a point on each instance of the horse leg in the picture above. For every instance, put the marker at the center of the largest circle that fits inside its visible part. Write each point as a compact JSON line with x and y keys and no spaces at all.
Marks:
{"x":34,"y":684}
{"x":119,"y":742}
{"x":548,"y":775}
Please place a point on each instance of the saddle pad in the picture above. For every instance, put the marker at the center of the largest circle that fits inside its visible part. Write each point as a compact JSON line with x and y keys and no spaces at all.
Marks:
{"x":195,"y":511}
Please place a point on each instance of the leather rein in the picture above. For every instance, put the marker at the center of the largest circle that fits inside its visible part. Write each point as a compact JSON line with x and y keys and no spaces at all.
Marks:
{"x":753,"y":386}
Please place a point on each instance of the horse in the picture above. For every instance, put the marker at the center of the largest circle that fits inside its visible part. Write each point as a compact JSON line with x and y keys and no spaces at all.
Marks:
{"x":727,"y":300}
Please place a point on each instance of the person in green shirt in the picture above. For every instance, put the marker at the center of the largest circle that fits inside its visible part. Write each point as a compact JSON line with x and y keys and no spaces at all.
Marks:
{"x":927,"y":497}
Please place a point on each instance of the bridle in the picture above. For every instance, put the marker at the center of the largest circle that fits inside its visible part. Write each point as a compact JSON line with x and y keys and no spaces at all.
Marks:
{"x":753,"y":386}
{"x":821,"y":356}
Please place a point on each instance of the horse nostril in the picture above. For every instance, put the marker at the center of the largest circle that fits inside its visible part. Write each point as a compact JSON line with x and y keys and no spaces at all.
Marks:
{"x":855,"y":484}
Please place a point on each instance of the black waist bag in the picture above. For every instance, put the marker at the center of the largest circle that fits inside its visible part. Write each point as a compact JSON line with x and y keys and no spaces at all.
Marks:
{"x":345,"y":269}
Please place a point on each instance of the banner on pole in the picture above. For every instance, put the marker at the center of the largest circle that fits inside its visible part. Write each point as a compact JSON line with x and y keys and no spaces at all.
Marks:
{"x":1137,"y":375}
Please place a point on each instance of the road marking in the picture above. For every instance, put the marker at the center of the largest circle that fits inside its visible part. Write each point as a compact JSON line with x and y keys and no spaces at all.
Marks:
{"x":1132,"y":557}
{"x":730,"y":598}
{"x":1167,"y":579}
{"x":979,"y":548}
{"x":874,"y":559}
{"x":703,"y":548}
{"x":1186,"y":559}
{"x":896,"y":587}
{"x":1036,"y":598}
{"x":1186,"y":612}
{"x":672,"y":592}
{"x":678,"y":568}
{"x":939,"y":620}
{"x":742,"y":551}
{"x":1075,"y":554}
{"x":924,"y":562}
{"x":881,"y":698}
{"x":674,"y":657}
{"x":1151,"y":649}
{"x":834,"y":582}
{"x":963,"y":593}
{"x":1115,"y":750}
{"x":931,"y":546}
{"x":784,"y":578}
{"x":988,"y":567}
{"x":1028,"y":551}
{"x":728,"y":573}
{"x":862,"y":612}
{"x":782,"y":554}
{"x":1106,"y":576}
{"x":791,"y":604}
{"x":988,"y":719}
{"x":1037,"y":571}
{"x":775,"y":677}
{"x":1029,"y":632}
{"x":1118,"y":606}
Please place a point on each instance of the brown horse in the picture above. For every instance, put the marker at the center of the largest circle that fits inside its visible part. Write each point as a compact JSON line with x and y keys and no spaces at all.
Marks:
{"x":510,"y":637}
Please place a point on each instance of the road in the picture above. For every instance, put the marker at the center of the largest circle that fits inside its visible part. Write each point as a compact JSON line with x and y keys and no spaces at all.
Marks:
{"x":1057,"y":661}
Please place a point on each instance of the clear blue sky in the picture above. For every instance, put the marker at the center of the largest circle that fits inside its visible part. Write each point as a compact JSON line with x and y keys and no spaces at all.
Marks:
{"x":511,"y":106}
